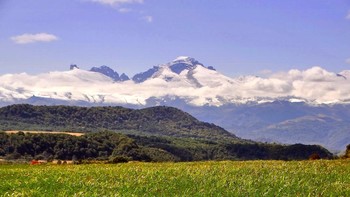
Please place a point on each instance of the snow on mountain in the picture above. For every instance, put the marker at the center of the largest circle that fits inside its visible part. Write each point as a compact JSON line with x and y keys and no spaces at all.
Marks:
{"x":183,"y":63}
{"x":183,"y":78}
{"x":141,"y":77}
{"x":176,"y":67}
{"x":345,"y":73}
{"x":110,"y":73}
{"x":124,"y":77}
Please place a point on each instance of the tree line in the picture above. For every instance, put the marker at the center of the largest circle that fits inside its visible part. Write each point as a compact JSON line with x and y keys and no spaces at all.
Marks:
{"x":115,"y":147}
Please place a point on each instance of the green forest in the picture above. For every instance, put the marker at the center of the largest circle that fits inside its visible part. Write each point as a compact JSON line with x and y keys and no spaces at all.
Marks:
{"x":117,"y":134}
{"x":164,"y":121}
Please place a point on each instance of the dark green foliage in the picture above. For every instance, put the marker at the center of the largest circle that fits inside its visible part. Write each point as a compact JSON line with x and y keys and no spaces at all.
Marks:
{"x":102,"y":145}
{"x":65,"y":147}
{"x":276,"y":151}
{"x":121,"y":148}
{"x":347,"y":152}
{"x":118,"y":159}
{"x":314,"y":156}
{"x":154,"y":134}
{"x":163,"y":121}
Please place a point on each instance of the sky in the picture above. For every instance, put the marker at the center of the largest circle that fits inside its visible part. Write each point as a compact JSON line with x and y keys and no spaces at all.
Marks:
{"x":237,"y":37}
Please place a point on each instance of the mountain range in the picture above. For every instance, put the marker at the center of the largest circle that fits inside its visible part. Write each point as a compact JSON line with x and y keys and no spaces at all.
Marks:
{"x":299,"y":106}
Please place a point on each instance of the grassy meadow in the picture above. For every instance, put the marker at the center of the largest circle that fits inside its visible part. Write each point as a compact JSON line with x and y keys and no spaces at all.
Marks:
{"x":225,"y":178}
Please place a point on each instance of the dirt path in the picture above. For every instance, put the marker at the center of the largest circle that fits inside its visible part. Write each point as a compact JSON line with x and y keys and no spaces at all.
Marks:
{"x":48,"y":132}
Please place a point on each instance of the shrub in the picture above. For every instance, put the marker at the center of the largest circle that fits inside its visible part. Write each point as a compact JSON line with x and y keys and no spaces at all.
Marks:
{"x":347,"y":152}
{"x":314,"y":156}
{"x":118,"y":159}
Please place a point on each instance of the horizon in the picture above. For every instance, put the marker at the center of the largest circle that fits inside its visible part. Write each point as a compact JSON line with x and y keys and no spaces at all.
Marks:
{"x":130,"y":36}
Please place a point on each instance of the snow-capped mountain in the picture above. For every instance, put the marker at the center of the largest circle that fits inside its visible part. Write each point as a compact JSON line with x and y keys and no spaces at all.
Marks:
{"x":207,"y":94}
{"x":110,"y":73}
{"x":184,"y":78}
{"x":345,"y":73}
{"x":177,"y":66}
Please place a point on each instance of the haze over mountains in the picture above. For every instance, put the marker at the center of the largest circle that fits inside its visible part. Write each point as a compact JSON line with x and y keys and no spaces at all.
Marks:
{"x":298,"y":106}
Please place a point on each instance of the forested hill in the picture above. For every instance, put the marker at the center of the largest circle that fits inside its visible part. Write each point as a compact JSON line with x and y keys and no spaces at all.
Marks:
{"x":160,"y":121}
{"x":153,"y":134}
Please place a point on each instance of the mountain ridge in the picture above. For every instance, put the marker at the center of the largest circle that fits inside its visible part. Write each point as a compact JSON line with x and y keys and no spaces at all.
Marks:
{"x":105,"y":70}
{"x":186,"y":78}
{"x":207,"y":94}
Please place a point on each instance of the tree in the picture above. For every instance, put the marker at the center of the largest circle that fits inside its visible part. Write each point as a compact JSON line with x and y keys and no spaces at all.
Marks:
{"x":347,"y":153}
{"x":314,"y":156}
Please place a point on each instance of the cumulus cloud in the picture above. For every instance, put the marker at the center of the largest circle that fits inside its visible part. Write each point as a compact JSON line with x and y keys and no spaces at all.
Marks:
{"x":318,"y":74}
{"x":148,"y":19}
{"x":198,"y":87}
{"x":116,"y":2}
{"x":32,"y":38}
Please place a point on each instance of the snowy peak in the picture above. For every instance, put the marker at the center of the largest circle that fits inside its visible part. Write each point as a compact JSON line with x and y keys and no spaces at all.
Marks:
{"x":183,"y":78}
{"x":182,"y":63}
{"x":183,"y":72}
{"x":185,"y":60}
{"x":124,"y":77}
{"x":105,"y":70}
{"x":73,"y":66}
{"x":191,"y":62}
{"x":141,"y":77}
{"x":177,"y":66}
{"x":345,"y":74}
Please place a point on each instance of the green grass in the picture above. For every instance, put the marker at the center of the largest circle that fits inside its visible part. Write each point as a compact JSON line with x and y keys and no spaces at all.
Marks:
{"x":227,"y":178}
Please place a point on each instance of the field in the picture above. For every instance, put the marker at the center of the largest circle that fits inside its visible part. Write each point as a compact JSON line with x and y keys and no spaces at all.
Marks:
{"x":226,"y":178}
{"x":47,"y":132}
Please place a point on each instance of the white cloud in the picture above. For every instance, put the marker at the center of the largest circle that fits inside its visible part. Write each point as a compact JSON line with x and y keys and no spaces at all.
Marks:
{"x":116,"y":2}
{"x":348,"y":16}
{"x":316,"y":85}
{"x":318,"y":74}
{"x":32,"y":38}
{"x":148,"y":19}
{"x":347,"y":61}
{"x":124,"y":10}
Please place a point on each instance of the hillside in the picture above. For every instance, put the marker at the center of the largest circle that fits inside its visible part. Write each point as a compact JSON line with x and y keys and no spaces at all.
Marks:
{"x":161,"y":121}
{"x":150,"y":134}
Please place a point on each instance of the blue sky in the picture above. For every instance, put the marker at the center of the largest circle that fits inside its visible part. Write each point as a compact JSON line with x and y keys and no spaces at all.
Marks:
{"x":237,"y":37}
